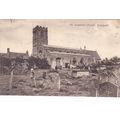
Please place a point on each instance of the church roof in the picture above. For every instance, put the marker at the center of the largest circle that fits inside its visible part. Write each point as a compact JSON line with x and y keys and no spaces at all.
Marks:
{"x":72,"y":50}
{"x":15,"y":55}
{"x":3,"y":54}
{"x":64,"y":53}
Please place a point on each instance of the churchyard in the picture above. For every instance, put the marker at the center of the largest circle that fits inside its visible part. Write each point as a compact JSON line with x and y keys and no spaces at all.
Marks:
{"x":62,"y":82}
{"x":48,"y":86}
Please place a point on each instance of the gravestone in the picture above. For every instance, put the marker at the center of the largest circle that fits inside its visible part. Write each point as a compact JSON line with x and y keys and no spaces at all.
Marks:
{"x":53,"y":81}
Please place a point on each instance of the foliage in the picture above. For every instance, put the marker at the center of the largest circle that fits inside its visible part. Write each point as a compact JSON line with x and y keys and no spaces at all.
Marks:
{"x":5,"y":61}
{"x":40,"y":63}
{"x":33,"y":62}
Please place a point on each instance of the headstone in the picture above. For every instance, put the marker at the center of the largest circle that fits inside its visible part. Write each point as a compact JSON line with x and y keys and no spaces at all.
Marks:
{"x":53,"y":82}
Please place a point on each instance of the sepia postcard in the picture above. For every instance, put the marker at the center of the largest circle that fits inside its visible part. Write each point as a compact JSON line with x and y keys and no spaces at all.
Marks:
{"x":60,"y":57}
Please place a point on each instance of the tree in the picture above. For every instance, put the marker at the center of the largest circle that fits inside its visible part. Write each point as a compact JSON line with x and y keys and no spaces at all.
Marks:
{"x":44,"y":64}
{"x":5,"y":64}
{"x":40,"y":63}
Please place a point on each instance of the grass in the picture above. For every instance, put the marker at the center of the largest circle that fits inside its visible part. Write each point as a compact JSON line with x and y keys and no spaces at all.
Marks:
{"x":23,"y":85}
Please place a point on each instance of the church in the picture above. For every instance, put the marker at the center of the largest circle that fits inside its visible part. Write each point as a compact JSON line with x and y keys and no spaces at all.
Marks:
{"x":57,"y":55}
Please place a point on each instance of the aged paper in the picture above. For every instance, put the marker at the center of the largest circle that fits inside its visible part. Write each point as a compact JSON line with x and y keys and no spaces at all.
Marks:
{"x":62,"y":57}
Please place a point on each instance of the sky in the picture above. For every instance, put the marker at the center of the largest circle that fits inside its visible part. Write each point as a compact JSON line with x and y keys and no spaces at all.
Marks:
{"x":100,"y":35}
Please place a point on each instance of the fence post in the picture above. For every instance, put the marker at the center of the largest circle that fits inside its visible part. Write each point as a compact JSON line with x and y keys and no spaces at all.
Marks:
{"x":59,"y":83}
{"x":97,"y":93}
{"x":117,"y":91}
{"x":11,"y":74}
{"x":35,"y":82}
{"x":11,"y":79}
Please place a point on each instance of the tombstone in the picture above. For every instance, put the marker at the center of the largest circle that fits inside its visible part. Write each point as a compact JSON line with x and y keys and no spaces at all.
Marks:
{"x":108,"y":89}
{"x":109,"y":83}
{"x":53,"y":81}
{"x":44,"y":75}
{"x":79,"y":73}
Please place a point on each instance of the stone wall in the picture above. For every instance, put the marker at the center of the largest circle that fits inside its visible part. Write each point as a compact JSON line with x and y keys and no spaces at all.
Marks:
{"x":68,"y":58}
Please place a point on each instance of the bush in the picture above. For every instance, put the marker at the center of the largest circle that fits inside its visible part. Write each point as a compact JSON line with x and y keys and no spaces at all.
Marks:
{"x":40,"y":63}
{"x":43,"y":64}
{"x":6,"y":64}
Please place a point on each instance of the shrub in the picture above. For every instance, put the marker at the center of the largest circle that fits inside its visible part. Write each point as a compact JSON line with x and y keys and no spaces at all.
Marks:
{"x":40,"y":63}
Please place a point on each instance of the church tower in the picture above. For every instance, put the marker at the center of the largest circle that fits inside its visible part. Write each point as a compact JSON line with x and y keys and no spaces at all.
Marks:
{"x":40,"y":38}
